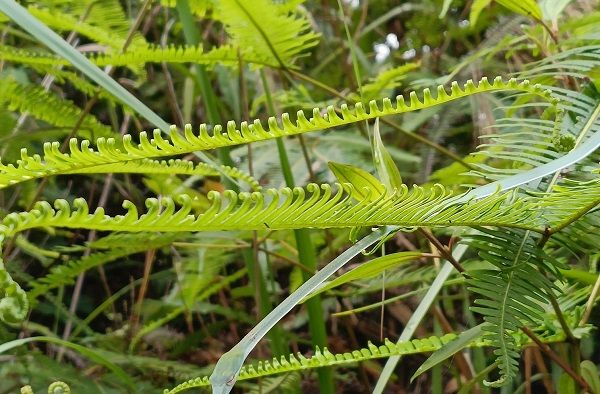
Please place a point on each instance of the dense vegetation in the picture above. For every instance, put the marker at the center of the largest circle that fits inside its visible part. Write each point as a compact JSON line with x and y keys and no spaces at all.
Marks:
{"x":371,"y":197}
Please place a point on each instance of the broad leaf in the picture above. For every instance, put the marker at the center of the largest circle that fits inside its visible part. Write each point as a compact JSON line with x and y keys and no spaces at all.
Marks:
{"x":369,"y":269}
{"x":366,"y":186}
{"x":524,"y":7}
{"x":384,"y":164}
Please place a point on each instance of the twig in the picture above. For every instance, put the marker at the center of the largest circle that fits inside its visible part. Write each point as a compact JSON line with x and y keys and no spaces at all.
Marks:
{"x":442,"y":249}
{"x":556,"y":358}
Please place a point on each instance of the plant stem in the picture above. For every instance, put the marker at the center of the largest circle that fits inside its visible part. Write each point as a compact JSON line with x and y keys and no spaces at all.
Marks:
{"x":442,"y":249}
{"x":556,"y":358}
{"x":192,"y":37}
{"x":307,"y":257}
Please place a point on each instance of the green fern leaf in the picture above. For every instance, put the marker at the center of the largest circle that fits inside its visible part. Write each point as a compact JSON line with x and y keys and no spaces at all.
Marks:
{"x":109,"y":151}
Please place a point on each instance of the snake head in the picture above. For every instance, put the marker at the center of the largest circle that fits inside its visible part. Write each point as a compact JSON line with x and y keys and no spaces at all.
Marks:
{"x":226,"y":371}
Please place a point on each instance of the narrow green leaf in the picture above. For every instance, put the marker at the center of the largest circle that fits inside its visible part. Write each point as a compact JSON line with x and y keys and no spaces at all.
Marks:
{"x":590,"y":374}
{"x":476,"y":8}
{"x":230,"y":363}
{"x":384,"y":164}
{"x":450,"y":349}
{"x":366,"y":186}
{"x":445,"y":8}
{"x":369,"y":269}
{"x":86,"y":351}
{"x":528,"y":8}
{"x":418,"y":316}
{"x":553,"y":8}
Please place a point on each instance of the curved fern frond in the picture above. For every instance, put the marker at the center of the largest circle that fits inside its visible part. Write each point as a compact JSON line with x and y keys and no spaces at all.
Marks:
{"x":47,"y":107}
{"x":110,"y":151}
{"x":14,"y":304}
{"x":324,"y":358}
{"x":316,"y":206}
{"x":284,"y":37}
{"x":514,"y":291}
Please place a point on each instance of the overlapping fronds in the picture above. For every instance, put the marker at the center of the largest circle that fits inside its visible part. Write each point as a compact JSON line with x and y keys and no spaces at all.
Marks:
{"x":575,"y":62}
{"x":226,"y":55}
{"x":47,"y":107}
{"x":110,"y":151}
{"x":525,"y":141}
{"x":316,"y":206}
{"x":266,"y":29}
{"x":582,"y":197}
{"x":515,"y":290}
{"x":324,"y":358}
{"x":180,"y":167}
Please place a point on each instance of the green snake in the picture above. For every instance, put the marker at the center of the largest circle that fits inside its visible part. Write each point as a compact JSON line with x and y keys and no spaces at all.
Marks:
{"x":229,"y":365}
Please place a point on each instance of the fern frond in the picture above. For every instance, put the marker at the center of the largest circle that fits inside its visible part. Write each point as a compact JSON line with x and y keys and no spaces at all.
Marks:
{"x":575,"y":62}
{"x":110,"y":151}
{"x":316,"y":206}
{"x":514,"y":291}
{"x":582,"y":198}
{"x":47,"y":107}
{"x":324,"y":358}
{"x":180,"y":167}
{"x":225,"y":55}
{"x":285,"y":37}
{"x":14,"y":304}
{"x":522,"y":142}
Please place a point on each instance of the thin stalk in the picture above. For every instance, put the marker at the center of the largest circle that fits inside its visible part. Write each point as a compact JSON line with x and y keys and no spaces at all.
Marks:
{"x":307,"y":257}
{"x":590,"y":302}
{"x":444,"y":251}
{"x":192,"y":37}
{"x":556,"y":358}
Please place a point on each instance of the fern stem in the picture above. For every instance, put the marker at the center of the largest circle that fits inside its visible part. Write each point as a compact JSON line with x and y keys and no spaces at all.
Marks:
{"x":447,"y":254}
{"x":192,"y":36}
{"x":307,"y":257}
{"x":556,"y":358}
